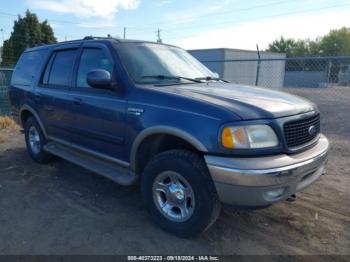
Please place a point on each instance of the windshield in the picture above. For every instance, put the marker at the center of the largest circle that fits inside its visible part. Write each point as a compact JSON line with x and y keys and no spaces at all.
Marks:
{"x":149,"y":63}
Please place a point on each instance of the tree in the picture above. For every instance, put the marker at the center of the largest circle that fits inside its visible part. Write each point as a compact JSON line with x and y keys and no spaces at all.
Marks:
{"x":336,"y":42}
{"x":7,"y":53}
{"x":294,"y":48}
{"x":27,"y":32}
{"x":282,"y":45}
{"x":47,"y":33}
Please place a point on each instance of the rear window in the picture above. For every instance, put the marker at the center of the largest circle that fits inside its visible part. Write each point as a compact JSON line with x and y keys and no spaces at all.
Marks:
{"x":28,"y":67}
{"x":59,"y":69}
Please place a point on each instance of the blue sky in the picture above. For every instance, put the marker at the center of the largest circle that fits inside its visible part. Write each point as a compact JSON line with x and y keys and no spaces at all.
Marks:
{"x":188,"y":23}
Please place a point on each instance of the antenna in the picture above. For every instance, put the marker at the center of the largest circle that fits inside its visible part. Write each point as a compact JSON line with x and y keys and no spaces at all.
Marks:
{"x":159,"y":40}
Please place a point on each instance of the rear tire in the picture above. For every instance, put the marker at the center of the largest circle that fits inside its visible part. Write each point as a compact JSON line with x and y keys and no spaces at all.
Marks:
{"x":179,"y":193}
{"x":35,"y":141}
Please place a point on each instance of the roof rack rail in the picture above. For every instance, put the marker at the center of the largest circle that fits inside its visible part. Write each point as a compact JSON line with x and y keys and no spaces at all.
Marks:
{"x":77,"y":40}
{"x":90,"y":37}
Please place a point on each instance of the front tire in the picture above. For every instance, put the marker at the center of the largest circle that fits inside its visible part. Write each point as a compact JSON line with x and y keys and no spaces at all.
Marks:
{"x":179,"y":193}
{"x":35,"y":141}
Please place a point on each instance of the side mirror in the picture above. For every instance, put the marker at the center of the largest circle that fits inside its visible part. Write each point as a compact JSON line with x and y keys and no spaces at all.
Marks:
{"x":99,"y":78}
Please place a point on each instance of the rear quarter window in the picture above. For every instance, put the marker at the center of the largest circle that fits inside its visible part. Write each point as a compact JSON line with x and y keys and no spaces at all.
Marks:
{"x":28,"y":67}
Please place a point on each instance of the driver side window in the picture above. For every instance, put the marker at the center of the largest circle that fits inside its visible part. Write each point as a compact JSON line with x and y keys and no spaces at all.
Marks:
{"x":92,"y":58}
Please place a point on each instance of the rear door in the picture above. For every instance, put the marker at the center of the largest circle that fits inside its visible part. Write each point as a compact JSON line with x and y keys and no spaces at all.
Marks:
{"x":99,"y":114}
{"x":52,"y":94}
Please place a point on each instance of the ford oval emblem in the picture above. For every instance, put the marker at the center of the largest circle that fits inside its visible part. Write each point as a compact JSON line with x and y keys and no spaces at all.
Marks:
{"x":312,"y":130}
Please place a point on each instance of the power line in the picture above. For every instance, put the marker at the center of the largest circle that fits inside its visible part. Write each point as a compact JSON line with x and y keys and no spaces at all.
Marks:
{"x":240,"y":20}
{"x":184,"y":28}
{"x":261,"y":18}
{"x":59,"y":21}
{"x":79,"y":23}
{"x":225,"y":12}
{"x":53,"y":20}
{"x":151,"y":26}
{"x":171,"y":31}
{"x":248,"y":20}
{"x":68,"y":22}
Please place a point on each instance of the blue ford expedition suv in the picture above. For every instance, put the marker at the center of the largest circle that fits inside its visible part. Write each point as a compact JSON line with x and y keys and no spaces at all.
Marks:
{"x":141,"y":112}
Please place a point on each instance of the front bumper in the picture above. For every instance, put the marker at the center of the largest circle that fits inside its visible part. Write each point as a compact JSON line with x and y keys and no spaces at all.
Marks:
{"x":261,"y":181}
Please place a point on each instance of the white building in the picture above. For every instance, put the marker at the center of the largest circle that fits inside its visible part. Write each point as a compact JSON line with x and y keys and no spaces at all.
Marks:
{"x":242,"y":66}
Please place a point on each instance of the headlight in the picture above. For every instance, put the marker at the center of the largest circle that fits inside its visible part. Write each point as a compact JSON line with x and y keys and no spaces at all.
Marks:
{"x":254,"y":136}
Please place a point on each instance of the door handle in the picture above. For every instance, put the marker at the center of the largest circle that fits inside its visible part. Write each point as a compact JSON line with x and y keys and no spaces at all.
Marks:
{"x":37,"y":96}
{"x":49,"y":108}
{"x":77,"y":101}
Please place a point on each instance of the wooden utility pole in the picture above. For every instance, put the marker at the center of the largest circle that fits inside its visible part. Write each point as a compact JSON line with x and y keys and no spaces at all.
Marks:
{"x":159,"y":40}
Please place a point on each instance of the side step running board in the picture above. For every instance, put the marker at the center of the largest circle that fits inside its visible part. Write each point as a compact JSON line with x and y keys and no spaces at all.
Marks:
{"x":104,"y":167}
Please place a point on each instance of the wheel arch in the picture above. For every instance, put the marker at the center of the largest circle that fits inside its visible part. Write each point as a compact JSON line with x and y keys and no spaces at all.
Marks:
{"x":27,"y":111}
{"x":162,"y":131}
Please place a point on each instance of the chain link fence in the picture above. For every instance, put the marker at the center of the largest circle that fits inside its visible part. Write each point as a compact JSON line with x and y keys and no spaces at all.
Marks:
{"x":322,"y":80}
{"x":285,"y":72}
{"x":5,"y":78}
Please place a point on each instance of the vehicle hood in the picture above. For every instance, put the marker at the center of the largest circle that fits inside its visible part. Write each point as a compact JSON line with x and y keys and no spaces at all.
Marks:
{"x":248,"y":102}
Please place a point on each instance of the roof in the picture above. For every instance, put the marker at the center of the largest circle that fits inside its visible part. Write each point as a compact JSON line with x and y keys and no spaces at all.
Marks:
{"x":92,"y":39}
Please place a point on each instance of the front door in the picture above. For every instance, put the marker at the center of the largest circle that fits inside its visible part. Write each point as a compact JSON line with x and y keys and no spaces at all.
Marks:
{"x":99,"y":123}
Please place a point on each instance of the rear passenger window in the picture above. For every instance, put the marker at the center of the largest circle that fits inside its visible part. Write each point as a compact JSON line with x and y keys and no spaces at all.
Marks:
{"x":92,"y":58}
{"x":59,"y":69}
{"x":28,"y":67}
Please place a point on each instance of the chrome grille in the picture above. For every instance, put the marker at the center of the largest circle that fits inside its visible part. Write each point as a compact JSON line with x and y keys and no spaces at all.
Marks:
{"x":297,"y":132}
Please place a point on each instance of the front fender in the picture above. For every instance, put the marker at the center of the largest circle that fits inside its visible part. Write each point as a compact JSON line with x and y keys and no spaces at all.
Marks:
{"x":168,"y":130}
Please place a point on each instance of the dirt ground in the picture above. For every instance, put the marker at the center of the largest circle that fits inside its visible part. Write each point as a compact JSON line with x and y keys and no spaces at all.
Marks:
{"x":63,"y":209}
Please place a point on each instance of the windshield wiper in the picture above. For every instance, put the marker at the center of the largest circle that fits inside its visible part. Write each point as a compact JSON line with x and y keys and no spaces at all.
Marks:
{"x":161,"y":77}
{"x":209,"y":78}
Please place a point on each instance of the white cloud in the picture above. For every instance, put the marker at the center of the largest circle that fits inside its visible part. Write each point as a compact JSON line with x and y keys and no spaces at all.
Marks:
{"x":98,"y":25}
{"x":85,"y":8}
{"x":55,"y":25}
{"x":262,"y":32}
{"x":186,"y":16}
{"x":161,"y":3}
{"x":215,"y":7}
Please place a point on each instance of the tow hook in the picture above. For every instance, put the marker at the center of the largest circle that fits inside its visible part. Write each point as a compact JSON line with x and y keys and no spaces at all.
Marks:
{"x":291,"y":198}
